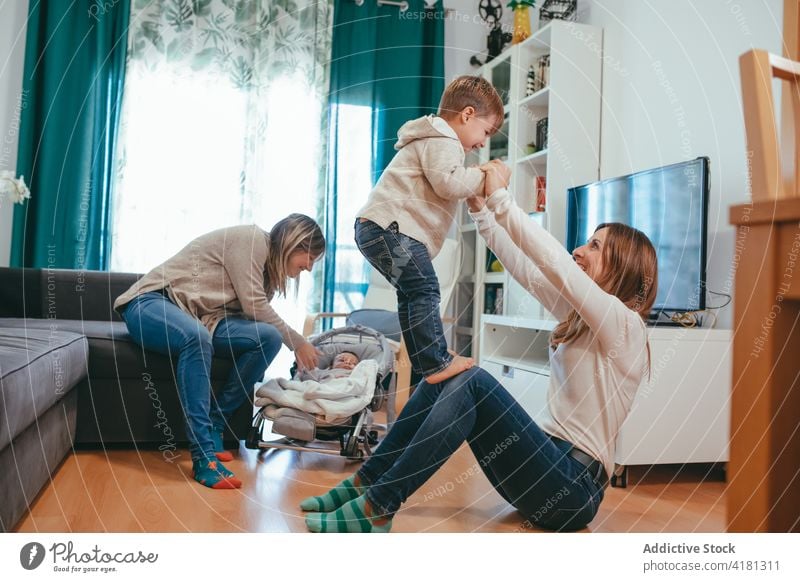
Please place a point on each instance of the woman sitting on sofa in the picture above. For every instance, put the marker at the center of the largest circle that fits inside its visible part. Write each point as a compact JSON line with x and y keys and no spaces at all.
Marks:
{"x":214,"y":297}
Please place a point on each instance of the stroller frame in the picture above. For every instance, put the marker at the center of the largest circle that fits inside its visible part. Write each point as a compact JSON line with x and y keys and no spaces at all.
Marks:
{"x":357,"y":436}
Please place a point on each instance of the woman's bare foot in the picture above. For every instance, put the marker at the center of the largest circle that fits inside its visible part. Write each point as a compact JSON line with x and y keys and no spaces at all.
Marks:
{"x":458,"y":365}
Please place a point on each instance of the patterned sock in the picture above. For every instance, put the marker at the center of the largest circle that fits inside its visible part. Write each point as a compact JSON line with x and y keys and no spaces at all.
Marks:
{"x":349,"y":518}
{"x":335,"y":498}
{"x":214,"y":474}
{"x":219,"y":448}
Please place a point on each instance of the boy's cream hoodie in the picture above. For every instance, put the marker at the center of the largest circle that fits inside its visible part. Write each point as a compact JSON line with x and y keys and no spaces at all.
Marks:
{"x":422,"y":185}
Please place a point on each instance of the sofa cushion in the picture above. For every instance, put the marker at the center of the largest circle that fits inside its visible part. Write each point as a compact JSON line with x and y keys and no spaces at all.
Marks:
{"x":112,"y":352}
{"x":62,"y":293}
{"x":31,"y":460}
{"x":69,"y":294}
{"x":37,"y":368}
{"x":20,"y":292}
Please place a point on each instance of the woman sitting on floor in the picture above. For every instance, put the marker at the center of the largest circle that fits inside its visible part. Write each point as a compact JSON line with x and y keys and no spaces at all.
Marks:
{"x":553,"y":469}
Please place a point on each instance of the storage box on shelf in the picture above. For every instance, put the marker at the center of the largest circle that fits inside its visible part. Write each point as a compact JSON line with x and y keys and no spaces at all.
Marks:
{"x":568,"y":96}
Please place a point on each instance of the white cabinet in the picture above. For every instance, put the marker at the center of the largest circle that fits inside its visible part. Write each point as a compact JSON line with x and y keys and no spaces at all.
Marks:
{"x":529,"y":388}
{"x":681,"y":413}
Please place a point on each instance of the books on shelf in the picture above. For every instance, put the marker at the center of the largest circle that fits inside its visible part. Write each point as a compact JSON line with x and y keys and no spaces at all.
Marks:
{"x":541,"y":193}
{"x":538,"y":76}
{"x":543,"y":72}
{"x":493,"y":299}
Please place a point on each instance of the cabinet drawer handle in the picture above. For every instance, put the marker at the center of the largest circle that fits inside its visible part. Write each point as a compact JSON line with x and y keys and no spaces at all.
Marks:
{"x":508,"y":372}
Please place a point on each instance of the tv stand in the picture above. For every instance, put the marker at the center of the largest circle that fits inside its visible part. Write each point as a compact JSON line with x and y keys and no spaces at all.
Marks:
{"x":666,"y":323}
{"x":681,"y":413}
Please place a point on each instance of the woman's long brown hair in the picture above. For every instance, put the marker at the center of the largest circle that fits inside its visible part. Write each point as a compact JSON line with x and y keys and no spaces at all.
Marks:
{"x":296,"y":232}
{"x":630,"y":272}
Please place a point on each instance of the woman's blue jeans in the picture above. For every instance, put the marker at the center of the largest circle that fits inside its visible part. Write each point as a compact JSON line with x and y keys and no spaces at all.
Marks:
{"x":406,"y":264}
{"x":549,"y":487}
{"x":157,"y":324}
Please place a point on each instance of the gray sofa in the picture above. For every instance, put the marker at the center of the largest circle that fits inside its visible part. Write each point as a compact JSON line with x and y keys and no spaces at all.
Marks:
{"x":72,"y":376}
{"x":38,"y":373}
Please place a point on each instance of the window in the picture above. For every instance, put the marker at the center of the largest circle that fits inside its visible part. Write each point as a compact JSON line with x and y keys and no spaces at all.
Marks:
{"x":353,"y":185}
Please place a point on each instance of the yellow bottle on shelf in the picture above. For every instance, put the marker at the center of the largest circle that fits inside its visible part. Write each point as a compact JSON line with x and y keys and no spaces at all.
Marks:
{"x":522,"y":19}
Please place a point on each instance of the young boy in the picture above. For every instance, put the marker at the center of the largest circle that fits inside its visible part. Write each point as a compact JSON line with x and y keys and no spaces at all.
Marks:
{"x":410,"y":210}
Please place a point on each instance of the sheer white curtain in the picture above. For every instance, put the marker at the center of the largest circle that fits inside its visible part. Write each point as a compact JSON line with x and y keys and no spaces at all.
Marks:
{"x":224,"y":123}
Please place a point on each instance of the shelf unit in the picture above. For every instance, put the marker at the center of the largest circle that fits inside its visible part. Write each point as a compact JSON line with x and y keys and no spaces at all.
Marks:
{"x":571,"y":101}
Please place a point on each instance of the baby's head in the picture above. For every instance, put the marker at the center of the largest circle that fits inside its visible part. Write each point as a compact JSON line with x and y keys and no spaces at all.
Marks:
{"x":472,"y":107}
{"x":345,"y":361}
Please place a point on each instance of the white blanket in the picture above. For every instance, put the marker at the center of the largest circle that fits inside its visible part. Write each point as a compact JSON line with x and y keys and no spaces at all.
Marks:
{"x":335,"y":397}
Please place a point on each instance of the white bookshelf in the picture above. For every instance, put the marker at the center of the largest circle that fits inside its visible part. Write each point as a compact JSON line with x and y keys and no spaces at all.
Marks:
{"x":572,"y":102}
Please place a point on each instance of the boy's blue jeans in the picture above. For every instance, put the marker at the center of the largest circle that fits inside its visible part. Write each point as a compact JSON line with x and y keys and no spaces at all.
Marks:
{"x":157,"y":324}
{"x":406,"y":264}
{"x":549,"y":487}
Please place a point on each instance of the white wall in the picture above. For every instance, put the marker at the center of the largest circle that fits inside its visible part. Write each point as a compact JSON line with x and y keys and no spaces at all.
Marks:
{"x":465,"y":35}
{"x":13,"y":17}
{"x":671,"y":92}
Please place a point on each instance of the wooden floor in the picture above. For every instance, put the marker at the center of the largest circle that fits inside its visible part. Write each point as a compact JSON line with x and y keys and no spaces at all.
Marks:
{"x":138,"y":491}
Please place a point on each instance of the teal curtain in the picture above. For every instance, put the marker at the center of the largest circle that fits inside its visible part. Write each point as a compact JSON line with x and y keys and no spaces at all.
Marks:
{"x":72,"y":89}
{"x":393,"y":63}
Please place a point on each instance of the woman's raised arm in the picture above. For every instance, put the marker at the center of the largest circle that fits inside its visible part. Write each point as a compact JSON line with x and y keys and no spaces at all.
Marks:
{"x":604,"y":313}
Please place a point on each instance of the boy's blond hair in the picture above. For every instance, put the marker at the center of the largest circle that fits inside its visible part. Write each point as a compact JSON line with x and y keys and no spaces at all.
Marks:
{"x":471,"y":90}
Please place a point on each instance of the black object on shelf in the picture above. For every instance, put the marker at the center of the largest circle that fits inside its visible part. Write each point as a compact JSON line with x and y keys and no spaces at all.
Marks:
{"x":491,"y":11}
{"x":558,"y":10}
{"x":541,"y":134}
{"x":493,"y":299}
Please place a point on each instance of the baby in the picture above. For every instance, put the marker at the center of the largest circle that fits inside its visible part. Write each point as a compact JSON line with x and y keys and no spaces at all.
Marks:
{"x":342,"y":365}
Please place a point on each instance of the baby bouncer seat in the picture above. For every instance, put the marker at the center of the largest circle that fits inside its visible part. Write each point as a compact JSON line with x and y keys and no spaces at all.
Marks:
{"x":313,"y":425}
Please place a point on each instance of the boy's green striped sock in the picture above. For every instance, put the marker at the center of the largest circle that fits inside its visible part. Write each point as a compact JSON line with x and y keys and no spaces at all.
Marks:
{"x":349,"y":518}
{"x":335,"y":498}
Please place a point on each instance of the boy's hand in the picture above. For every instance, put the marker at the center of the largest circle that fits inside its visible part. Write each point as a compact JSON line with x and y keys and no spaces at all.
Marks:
{"x":476,"y":203}
{"x":497,"y":176}
{"x":503,"y":169}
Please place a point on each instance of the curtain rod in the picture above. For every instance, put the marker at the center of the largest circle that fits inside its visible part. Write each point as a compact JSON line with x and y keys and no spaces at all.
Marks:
{"x":401,"y":4}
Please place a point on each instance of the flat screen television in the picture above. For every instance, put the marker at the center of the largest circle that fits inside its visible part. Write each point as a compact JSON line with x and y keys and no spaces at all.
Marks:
{"x":670,"y":205}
